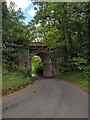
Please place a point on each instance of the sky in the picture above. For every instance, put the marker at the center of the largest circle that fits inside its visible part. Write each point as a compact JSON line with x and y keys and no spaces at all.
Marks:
{"x":27,"y":8}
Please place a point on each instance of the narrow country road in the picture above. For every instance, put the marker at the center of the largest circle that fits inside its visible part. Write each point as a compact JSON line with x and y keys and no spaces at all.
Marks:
{"x":47,"y":98}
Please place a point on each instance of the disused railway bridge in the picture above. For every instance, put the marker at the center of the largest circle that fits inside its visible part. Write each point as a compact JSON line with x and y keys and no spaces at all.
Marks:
{"x":25,"y":61}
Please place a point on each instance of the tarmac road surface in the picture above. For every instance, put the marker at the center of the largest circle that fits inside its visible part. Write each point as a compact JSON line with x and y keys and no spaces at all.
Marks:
{"x":47,"y":98}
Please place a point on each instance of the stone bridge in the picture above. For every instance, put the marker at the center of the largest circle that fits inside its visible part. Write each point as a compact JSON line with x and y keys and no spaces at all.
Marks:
{"x":41,"y":50}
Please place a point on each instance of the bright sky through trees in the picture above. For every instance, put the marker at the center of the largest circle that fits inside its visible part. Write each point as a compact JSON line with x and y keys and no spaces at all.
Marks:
{"x":27,"y":8}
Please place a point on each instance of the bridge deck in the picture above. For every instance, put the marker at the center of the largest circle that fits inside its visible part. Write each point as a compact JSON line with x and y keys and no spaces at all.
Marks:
{"x":31,"y":46}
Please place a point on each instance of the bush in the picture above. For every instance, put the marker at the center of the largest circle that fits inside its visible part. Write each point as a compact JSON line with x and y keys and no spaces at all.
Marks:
{"x":13,"y":81}
{"x":37,"y":65}
{"x":79,"y":62}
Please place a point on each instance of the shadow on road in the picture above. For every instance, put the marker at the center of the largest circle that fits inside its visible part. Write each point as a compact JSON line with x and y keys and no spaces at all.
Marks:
{"x":40,"y":77}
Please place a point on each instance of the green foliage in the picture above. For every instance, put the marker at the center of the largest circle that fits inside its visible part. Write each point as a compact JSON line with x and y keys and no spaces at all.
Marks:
{"x":14,"y":33}
{"x":37,"y":65}
{"x":77,"y":78}
{"x":64,"y":27}
{"x":79,"y":62}
{"x":13,"y":81}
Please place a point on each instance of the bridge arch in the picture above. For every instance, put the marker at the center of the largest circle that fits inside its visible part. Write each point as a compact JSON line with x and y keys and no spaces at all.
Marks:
{"x":47,"y":63}
{"x":24,"y":62}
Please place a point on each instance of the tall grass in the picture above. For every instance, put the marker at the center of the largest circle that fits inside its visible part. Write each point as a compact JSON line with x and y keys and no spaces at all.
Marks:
{"x":13,"y":81}
{"x":77,"y":78}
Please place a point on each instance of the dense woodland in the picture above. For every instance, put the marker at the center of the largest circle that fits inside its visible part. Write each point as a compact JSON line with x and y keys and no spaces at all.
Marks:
{"x":63,"y":27}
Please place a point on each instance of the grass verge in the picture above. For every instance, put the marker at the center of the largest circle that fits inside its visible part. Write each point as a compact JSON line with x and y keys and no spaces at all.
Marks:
{"x":77,"y":78}
{"x":13,"y":81}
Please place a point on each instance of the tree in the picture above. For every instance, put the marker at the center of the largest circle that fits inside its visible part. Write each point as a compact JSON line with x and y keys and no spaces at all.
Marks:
{"x":65,"y":29}
{"x":15,"y":33}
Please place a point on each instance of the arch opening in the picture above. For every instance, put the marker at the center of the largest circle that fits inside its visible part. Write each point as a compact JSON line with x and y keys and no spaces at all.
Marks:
{"x":37,"y":66}
{"x":45,"y":64}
